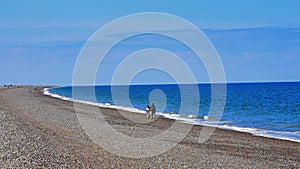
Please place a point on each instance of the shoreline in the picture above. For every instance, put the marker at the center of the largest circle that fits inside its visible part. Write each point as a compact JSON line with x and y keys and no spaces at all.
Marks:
{"x":41,"y":131}
{"x":192,"y":121}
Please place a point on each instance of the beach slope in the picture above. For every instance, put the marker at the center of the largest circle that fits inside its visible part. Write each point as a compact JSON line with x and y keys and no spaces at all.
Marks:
{"x":40,"y":131}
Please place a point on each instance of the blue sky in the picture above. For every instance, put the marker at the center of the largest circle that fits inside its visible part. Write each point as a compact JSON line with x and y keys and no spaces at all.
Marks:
{"x":256,"y":40}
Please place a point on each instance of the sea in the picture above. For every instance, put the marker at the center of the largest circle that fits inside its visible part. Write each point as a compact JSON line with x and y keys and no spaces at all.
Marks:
{"x":263,"y":109}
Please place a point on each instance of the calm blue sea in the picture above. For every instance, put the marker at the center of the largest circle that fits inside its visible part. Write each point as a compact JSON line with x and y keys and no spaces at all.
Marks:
{"x":265,"y":109}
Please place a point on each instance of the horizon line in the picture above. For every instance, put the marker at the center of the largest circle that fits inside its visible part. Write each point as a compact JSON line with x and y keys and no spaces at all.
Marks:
{"x":235,"y":82}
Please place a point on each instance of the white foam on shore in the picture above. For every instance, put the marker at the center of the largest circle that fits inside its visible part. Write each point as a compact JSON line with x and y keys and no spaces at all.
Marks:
{"x":46,"y":92}
{"x":103,"y":105}
{"x":282,"y":135}
{"x":191,"y":119}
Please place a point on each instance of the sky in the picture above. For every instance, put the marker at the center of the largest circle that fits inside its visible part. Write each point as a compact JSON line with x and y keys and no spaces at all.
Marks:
{"x":40,"y":41}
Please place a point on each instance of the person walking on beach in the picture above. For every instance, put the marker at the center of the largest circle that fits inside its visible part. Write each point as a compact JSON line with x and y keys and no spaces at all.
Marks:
{"x":148,"y":111}
{"x":153,"y":110}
